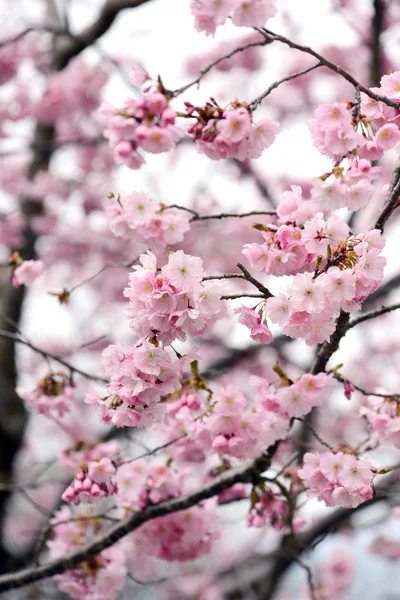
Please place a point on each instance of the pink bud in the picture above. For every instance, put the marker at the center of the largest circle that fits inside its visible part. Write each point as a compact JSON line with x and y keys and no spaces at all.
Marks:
{"x":348,"y":389}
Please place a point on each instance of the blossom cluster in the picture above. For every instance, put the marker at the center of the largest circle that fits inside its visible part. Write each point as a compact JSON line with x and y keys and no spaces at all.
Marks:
{"x":147,"y":123}
{"x":84,"y":452}
{"x":332,"y":270}
{"x":333,"y":130}
{"x":51,"y":396}
{"x":92,"y":482}
{"x":147,"y":218}
{"x":243,"y":13}
{"x":267,"y":508}
{"x":106,"y":572}
{"x":229,"y":132}
{"x":75,"y":89}
{"x":338,"y":478}
{"x":342,"y":129}
{"x":256,"y":322}
{"x":231,"y":425}
{"x":173,"y":301}
{"x":184,"y":535}
{"x":139,"y":378}
{"x":237,"y":428}
{"x":383,"y":120}
{"x":383,"y":417}
{"x":351,"y":188}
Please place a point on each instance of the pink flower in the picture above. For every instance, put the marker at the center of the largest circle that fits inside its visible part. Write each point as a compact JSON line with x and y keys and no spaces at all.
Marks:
{"x":261,"y":334}
{"x":340,"y":286}
{"x":259,"y":330}
{"x":331,"y":465}
{"x":388,"y":136}
{"x":278,"y":309}
{"x":138,"y":75}
{"x":253,"y":13}
{"x":101,"y":471}
{"x":184,"y":270}
{"x":235,"y":125}
{"x":338,"y":478}
{"x":229,"y":133}
{"x":263,"y":134}
{"x":27,"y":273}
{"x":355,"y":474}
{"x":307,"y":294}
{"x":155,"y":139}
{"x":390,"y":85}
{"x":147,"y":122}
{"x":248,"y":316}
{"x":348,"y":389}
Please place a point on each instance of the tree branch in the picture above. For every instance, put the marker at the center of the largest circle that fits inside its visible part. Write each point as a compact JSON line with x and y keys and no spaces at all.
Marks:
{"x":243,"y":474}
{"x":372,"y":315}
{"x":257,"y":101}
{"x":271,"y":36}
{"x":17,"y":339}
{"x":377,"y":26}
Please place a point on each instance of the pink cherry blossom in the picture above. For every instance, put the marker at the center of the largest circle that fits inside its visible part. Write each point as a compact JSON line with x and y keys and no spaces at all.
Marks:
{"x":27,"y":272}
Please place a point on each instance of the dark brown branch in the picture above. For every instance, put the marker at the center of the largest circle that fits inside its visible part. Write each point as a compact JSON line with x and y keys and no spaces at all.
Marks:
{"x":249,"y":277}
{"x":244,"y":474}
{"x":377,"y":26}
{"x":17,"y":339}
{"x":315,"y":434}
{"x":257,"y":101}
{"x":233,"y":215}
{"x":372,"y":315}
{"x":34,"y":28}
{"x":197,"y":217}
{"x":238,"y":355}
{"x":328,"y":348}
{"x":271,"y":36}
{"x":216,"y":62}
{"x":237,"y":296}
{"x":382,"y":292}
{"x":391,"y":199}
{"x":264,"y":580}
{"x":342,"y":379}
{"x":74,"y":45}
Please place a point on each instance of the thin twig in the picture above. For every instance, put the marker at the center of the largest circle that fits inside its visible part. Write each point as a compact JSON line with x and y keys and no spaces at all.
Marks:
{"x":315,"y":434}
{"x":392,"y":396}
{"x":249,"y":277}
{"x":111,"y":265}
{"x":236,"y":296}
{"x":16,"y":338}
{"x":216,"y":62}
{"x":34,"y":28}
{"x":198,"y":217}
{"x":257,"y":101}
{"x":310,"y":578}
{"x":373,"y":314}
{"x":155,"y":450}
{"x":271,"y":37}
